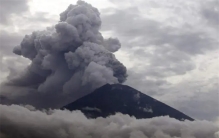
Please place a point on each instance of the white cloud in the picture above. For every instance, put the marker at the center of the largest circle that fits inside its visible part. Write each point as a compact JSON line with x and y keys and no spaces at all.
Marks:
{"x":20,"y":121}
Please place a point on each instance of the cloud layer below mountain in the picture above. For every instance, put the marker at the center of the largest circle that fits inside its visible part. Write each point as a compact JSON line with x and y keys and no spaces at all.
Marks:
{"x":66,"y":124}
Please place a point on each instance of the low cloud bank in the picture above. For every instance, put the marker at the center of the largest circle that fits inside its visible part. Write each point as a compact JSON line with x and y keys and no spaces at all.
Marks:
{"x":26,"y":122}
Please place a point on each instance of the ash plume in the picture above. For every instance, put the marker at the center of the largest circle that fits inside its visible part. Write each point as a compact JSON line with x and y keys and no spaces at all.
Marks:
{"x":68,"y":60}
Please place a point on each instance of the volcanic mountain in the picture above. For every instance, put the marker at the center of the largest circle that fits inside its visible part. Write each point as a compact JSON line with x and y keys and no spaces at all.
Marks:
{"x":110,"y":99}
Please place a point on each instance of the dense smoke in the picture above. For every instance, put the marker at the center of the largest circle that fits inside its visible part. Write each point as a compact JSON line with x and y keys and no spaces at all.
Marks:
{"x":68,"y":60}
{"x":66,"y":124}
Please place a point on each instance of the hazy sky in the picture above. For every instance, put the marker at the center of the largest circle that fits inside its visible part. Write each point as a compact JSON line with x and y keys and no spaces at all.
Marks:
{"x":169,"y":47}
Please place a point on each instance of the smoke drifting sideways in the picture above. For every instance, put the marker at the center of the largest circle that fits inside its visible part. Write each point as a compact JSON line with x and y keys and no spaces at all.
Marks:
{"x":66,"y":124}
{"x":68,"y":61}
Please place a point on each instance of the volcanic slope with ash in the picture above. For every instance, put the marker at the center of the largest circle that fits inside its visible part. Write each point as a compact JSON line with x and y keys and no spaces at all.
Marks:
{"x":110,"y":99}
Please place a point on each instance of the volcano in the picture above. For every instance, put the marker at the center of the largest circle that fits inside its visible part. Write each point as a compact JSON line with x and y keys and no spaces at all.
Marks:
{"x":116,"y":98}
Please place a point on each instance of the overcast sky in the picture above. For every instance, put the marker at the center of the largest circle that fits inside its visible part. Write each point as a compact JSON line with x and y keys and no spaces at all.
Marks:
{"x":169,"y":47}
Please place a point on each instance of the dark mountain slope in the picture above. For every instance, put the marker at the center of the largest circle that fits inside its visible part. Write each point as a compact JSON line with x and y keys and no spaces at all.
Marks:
{"x":110,"y":99}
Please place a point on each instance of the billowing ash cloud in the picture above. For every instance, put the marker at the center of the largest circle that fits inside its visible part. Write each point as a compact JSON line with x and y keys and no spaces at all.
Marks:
{"x":66,"y":124}
{"x":68,"y":60}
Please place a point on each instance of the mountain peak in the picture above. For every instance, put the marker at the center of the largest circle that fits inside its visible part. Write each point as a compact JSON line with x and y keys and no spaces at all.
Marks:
{"x":111,"y":99}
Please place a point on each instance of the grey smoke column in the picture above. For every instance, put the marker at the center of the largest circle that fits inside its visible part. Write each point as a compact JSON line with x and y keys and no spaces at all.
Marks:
{"x":69,"y":59}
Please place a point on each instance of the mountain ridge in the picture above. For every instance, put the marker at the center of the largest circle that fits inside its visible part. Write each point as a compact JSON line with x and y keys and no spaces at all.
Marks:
{"x":110,"y":99}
